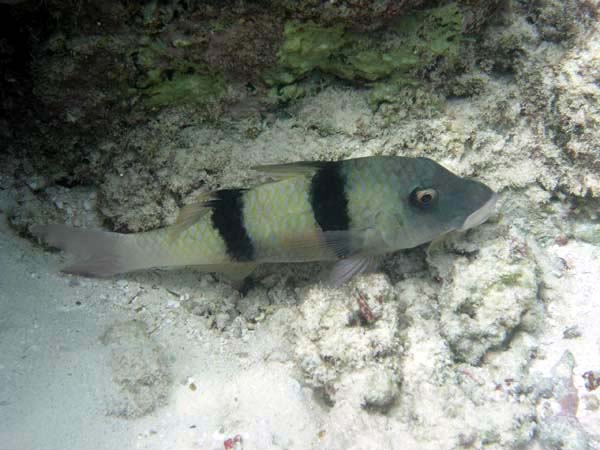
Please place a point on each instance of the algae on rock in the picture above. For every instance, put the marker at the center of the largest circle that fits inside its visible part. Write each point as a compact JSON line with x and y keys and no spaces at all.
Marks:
{"x":199,"y":89}
{"x":412,"y":43}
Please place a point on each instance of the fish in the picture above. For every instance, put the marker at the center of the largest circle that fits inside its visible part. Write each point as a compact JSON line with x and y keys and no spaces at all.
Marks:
{"x":348,"y":211}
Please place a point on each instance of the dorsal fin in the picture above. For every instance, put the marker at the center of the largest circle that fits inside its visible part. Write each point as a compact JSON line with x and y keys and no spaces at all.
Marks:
{"x":295,"y":169}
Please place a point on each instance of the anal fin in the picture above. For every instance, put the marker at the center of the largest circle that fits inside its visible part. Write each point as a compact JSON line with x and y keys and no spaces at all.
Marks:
{"x":237,"y":273}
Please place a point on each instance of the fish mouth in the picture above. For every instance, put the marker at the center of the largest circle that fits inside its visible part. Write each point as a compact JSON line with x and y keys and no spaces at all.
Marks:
{"x":481,"y":215}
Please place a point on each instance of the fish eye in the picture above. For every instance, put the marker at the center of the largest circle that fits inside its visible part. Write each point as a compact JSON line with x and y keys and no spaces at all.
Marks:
{"x":423,"y":198}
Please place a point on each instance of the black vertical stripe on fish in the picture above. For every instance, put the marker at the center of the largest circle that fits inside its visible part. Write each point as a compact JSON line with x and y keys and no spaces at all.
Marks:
{"x":227,"y":218}
{"x":328,"y":198}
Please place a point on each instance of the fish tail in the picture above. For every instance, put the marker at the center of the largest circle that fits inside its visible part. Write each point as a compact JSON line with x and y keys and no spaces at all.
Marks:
{"x":99,"y":253}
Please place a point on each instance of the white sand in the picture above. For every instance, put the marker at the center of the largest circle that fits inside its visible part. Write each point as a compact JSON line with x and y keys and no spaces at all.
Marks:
{"x":60,"y":386}
{"x":56,"y":376}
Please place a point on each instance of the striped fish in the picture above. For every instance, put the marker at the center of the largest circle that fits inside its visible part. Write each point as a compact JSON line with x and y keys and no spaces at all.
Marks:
{"x":348,"y":211}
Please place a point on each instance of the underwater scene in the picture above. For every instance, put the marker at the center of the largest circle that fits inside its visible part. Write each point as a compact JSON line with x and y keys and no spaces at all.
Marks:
{"x":299,"y":225}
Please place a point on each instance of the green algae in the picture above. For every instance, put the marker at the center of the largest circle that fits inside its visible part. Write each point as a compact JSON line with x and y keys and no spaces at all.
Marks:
{"x":287,"y":93}
{"x":306,"y":47}
{"x":387,"y":60}
{"x":166,"y":80}
{"x":411,"y":43}
{"x":511,"y":279}
{"x":390,"y":89}
{"x":200,"y":89}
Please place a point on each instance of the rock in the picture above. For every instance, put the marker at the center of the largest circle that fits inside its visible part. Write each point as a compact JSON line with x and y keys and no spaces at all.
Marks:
{"x":488,"y":293}
{"x":333,"y":343}
{"x":139,"y":369}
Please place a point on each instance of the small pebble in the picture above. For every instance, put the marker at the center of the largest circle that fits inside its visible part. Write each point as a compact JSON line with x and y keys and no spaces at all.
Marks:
{"x":222,"y":320}
{"x":382,"y":390}
{"x":467,"y":440}
{"x":592,"y":380}
{"x":37,"y":183}
{"x":571,"y":332}
{"x":172,"y":304}
{"x":591,"y":402}
{"x":278,"y":355}
{"x":561,"y":240}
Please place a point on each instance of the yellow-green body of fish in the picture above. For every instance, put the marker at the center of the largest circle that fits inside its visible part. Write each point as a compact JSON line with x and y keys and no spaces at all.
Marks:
{"x":349,"y":211}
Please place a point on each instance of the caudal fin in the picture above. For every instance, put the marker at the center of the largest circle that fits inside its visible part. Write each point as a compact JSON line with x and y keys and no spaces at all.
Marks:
{"x":98,"y":253}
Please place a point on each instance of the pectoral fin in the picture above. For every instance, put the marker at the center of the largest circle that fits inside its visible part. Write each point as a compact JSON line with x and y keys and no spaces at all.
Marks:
{"x":335,"y":244}
{"x":346,"y":269}
{"x":435,"y":245}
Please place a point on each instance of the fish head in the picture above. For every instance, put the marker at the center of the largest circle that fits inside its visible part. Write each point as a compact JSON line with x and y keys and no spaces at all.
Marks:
{"x":435,"y":201}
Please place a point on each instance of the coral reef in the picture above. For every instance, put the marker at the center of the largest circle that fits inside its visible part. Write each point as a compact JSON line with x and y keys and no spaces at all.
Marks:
{"x":351,"y":357}
{"x":489,"y":291}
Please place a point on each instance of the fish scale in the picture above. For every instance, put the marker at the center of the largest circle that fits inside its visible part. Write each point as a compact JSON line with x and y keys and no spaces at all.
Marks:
{"x":275,"y":211}
{"x":367,"y":188}
{"x":199,"y":244}
{"x":202,"y":241}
